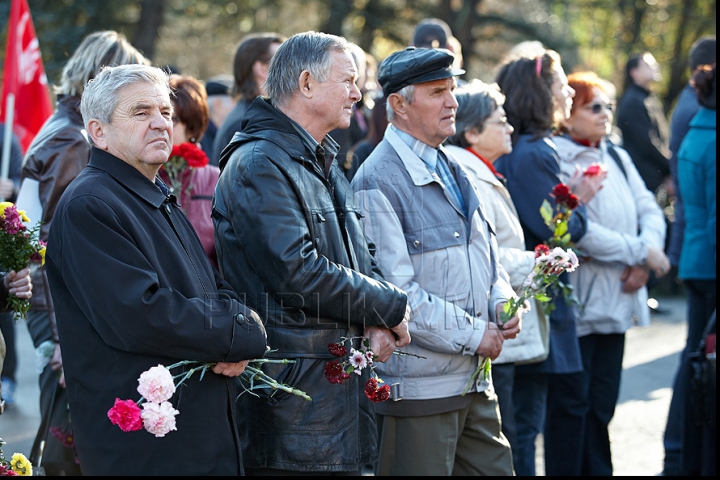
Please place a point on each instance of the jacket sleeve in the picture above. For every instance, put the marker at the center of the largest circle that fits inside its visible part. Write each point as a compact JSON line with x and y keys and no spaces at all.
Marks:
{"x":435,"y":324}
{"x":140,"y":314}
{"x":273,"y":232}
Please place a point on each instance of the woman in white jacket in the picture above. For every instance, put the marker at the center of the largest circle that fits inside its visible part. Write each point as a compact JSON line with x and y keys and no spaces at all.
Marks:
{"x":482,"y":136}
{"x":624,"y":241}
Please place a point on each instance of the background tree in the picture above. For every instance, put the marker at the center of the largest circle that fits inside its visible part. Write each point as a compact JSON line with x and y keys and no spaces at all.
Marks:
{"x":199,"y":37}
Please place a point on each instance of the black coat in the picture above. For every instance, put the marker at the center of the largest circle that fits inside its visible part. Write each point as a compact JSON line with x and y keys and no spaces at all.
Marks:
{"x":641,"y":119}
{"x":290,"y":238}
{"x":132,"y":289}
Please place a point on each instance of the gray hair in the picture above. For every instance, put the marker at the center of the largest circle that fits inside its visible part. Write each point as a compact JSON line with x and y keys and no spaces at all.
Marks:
{"x":101,"y":94}
{"x":99,"y":49}
{"x":303,"y":51}
{"x":408,"y":93}
{"x":476,"y":102}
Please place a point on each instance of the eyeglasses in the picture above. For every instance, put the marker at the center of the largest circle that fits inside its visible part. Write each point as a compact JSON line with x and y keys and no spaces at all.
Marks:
{"x":503,"y":122}
{"x":598,"y":107}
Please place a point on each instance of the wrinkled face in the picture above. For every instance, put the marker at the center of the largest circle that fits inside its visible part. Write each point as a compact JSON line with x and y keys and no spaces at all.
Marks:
{"x":562,"y":93}
{"x":431,"y":115}
{"x":495,"y":139}
{"x":141,"y":130}
{"x":337,"y":96}
{"x":591,"y":122}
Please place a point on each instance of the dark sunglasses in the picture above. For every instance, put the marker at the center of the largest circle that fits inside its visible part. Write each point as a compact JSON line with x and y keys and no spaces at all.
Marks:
{"x":598,"y":107}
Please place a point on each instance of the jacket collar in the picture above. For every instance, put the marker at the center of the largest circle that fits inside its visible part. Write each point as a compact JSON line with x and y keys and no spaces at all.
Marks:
{"x":472,"y":162}
{"x":128,"y":176}
{"x":263,"y":121}
{"x":415,"y":166}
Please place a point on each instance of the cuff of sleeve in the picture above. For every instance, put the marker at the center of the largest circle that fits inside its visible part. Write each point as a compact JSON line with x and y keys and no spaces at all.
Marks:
{"x":478,"y":330}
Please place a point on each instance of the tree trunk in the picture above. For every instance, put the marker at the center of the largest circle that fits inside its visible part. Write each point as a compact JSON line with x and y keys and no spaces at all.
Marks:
{"x":151,"y":18}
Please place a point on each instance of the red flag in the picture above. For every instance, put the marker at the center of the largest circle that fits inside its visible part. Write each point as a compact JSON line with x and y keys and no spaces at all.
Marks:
{"x":24,"y":76}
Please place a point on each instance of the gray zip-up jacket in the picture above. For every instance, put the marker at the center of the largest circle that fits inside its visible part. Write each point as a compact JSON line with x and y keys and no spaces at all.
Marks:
{"x":448,"y":265}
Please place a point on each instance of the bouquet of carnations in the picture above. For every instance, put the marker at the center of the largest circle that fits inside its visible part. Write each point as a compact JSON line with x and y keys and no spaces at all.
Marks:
{"x":183,"y":156}
{"x":18,"y":465}
{"x":552,"y":258}
{"x":338,"y":372}
{"x":19,"y":248}
{"x":157,"y":385}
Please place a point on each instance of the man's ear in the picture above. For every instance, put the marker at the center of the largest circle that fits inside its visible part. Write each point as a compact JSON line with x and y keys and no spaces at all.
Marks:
{"x":397,"y":103}
{"x":96,"y":131}
{"x":306,"y":83}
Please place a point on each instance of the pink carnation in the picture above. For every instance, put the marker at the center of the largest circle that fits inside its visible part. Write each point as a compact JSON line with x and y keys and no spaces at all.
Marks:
{"x":126,"y":415}
{"x":159,"y":418}
{"x":156,"y":384}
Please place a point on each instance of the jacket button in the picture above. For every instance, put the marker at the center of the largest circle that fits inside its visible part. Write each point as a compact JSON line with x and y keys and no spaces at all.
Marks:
{"x":240,"y":318}
{"x":457,"y":235}
{"x":417,"y":242}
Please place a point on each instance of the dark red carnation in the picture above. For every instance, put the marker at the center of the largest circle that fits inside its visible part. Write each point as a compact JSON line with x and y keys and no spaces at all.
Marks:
{"x":337,"y":350}
{"x":375,"y":393}
{"x":572,"y":202}
{"x":334,"y":372}
{"x":561,"y":191}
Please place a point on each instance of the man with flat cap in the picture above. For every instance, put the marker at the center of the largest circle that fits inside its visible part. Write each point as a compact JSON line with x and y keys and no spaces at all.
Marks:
{"x":434,"y":242}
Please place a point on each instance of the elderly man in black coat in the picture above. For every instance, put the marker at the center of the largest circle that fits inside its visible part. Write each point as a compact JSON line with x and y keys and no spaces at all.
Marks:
{"x":133,"y":289}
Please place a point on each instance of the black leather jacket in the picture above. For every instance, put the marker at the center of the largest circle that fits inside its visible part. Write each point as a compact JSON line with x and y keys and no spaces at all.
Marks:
{"x":290,"y":239}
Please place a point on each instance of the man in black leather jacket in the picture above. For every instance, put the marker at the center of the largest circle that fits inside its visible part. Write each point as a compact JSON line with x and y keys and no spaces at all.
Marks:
{"x":289,"y":237}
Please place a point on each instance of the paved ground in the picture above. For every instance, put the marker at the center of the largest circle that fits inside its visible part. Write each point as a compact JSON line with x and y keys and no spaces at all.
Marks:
{"x":651,"y":357}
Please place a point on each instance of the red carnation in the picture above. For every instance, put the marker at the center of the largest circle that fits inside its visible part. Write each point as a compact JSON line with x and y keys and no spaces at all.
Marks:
{"x":375,"y":393}
{"x":593,"y":170}
{"x":572,"y":202}
{"x":334,"y":372}
{"x":561,"y":191}
{"x":541,"y":249}
{"x":126,"y":415}
{"x":337,"y":350}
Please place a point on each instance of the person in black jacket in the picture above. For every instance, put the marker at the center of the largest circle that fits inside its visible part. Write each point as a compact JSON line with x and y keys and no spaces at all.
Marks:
{"x":289,"y":238}
{"x":641,"y":119}
{"x":250,"y":69}
{"x":134,"y":289}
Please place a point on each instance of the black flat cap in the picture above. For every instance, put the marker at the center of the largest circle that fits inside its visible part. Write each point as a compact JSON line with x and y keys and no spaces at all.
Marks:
{"x":415,"y":65}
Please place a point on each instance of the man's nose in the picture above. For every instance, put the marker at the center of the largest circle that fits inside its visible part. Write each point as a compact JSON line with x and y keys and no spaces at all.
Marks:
{"x":355,"y":94}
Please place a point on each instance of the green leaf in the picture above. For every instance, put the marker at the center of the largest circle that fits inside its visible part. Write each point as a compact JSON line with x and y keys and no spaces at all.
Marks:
{"x":546,"y":211}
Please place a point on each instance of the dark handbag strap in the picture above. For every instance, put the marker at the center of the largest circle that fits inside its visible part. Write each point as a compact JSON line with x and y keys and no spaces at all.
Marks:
{"x":36,"y":452}
{"x":613,"y":153}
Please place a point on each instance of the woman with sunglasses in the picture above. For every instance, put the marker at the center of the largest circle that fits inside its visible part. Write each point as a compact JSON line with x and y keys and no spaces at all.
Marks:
{"x":537,"y":99}
{"x":624,"y":241}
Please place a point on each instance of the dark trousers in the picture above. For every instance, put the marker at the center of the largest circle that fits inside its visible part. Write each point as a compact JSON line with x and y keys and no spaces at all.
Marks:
{"x":503,"y":377}
{"x":530,"y":399}
{"x":580,"y":407}
{"x":690,"y":448}
{"x":7,"y":326}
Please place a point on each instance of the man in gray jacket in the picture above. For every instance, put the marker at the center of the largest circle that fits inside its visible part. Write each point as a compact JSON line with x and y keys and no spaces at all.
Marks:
{"x":434,"y":242}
